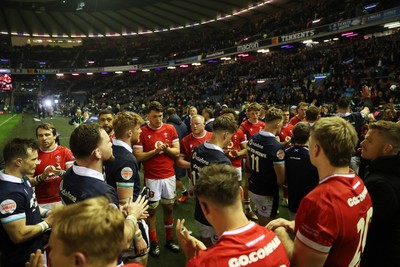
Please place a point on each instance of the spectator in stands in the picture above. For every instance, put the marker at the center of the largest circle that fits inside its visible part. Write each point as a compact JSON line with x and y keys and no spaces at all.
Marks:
{"x":301,"y":175}
{"x":382,"y":146}
{"x":220,"y":198}
{"x":76,"y":119}
{"x":180,"y":127}
{"x":21,"y":218}
{"x":319,"y":227}
{"x":82,"y":234}
{"x":157,"y":149}
{"x":301,"y":113}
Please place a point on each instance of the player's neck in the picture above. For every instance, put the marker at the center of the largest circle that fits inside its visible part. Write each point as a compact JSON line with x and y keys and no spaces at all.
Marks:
{"x":231,"y":219}
{"x":50,"y":148}
{"x":254,"y":121}
{"x":13,"y":172}
{"x":96,"y":165}
{"x":329,"y":170}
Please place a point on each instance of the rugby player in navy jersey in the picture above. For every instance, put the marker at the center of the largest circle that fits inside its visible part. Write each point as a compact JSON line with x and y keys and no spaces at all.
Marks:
{"x":265,"y":157}
{"x":301,"y":175}
{"x":123,"y":173}
{"x":20,"y":215}
{"x":91,"y":147}
{"x":211,"y":152}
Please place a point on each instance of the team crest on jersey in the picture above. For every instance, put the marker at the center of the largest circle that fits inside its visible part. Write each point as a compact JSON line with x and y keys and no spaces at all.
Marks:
{"x":8,"y":206}
{"x":58,"y":158}
{"x":166,"y":135}
{"x":288,"y":138}
{"x":149,"y":136}
{"x":250,"y":141}
{"x":126,"y":173}
{"x":280,"y":154}
{"x":230,"y":145}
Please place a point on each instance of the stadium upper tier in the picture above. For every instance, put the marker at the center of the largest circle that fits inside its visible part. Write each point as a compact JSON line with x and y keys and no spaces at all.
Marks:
{"x":152,"y":49}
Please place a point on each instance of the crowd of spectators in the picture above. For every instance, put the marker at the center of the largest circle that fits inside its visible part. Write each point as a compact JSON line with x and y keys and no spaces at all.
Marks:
{"x":288,"y":77}
{"x":157,"y":48}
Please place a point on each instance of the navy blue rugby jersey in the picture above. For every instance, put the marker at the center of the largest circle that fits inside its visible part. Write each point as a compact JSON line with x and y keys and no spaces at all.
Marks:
{"x":203,"y":155}
{"x":17,"y":201}
{"x":80,"y":183}
{"x":264,"y":151}
{"x":123,"y":171}
{"x":301,"y":175}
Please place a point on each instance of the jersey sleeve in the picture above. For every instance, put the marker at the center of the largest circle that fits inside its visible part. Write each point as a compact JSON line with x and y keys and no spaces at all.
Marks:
{"x":12,"y":207}
{"x":279,"y":155}
{"x":69,"y":157}
{"x":125,"y":175}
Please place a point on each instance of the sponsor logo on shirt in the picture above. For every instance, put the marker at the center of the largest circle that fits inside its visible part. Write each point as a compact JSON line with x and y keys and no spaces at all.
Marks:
{"x":259,"y":254}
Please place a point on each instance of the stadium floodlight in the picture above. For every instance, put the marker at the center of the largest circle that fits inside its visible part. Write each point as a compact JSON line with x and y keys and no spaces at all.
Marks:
{"x":316,"y":21}
{"x":263,"y":51}
{"x":171,"y":67}
{"x":89,"y":73}
{"x":309,"y":41}
{"x":184,"y":66}
{"x":59,"y":74}
{"x":346,"y":33}
{"x":145,"y":70}
{"x":56,"y":101}
{"x":392,"y":25}
{"x":118,"y":72}
{"x":226,"y":58}
{"x":75,"y":74}
{"x":47,"y":103}
{"x":196,"y":64}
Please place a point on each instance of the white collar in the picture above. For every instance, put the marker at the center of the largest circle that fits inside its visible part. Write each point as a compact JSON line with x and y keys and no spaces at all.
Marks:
{"x":348,"y":175}
{"x":10,"y":178}
{"x":83,"y":171}
{"x":212,"y":146}
{"x":265,"y":133}
{"x":48,"y":151}
{"x":118,"y":142}
{"x":239,"y":230}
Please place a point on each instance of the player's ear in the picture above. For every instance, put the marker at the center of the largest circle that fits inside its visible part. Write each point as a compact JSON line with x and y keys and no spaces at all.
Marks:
{"x":96,"y":153}
{"x":241,"y":192}
{"x":80,"y":259}
{"x":205,"y":208}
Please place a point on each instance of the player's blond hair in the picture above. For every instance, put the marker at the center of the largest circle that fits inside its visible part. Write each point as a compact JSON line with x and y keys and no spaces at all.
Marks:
{"x":125,"y":121}
{"x":337,"y":138}
{"x":92,"y":227}
{"x":390,"y":132}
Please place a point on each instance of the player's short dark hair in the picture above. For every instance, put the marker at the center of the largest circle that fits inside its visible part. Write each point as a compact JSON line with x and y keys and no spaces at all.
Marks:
{"x":343,"y":102}
{"x":156,"y":106}
{"x":47,"y":126}
{"x":209,"y":112}
{"x":170,"y":111}
{"x":18,"y":148}
{"x":301,"y":133}
{"x":273,"y":114}
{"x":84,"y":139}
{"x":218,"y":183}
{"x":224,"y":124}
{"x":230,"y":111}
{"x":106,"y":111}
{"x":312,"y":113}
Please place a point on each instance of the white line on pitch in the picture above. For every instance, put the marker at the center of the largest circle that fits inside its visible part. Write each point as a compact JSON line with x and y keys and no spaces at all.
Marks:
{"x":7,"y":120}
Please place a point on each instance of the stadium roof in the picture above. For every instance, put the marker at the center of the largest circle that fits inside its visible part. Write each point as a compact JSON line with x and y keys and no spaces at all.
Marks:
{"x":91,"y":18}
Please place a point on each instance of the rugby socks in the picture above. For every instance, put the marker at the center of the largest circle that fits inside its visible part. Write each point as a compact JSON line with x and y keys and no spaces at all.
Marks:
{"x":246,"y":203}
{"x":153,"y":237}
{"x":169,"y":226}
